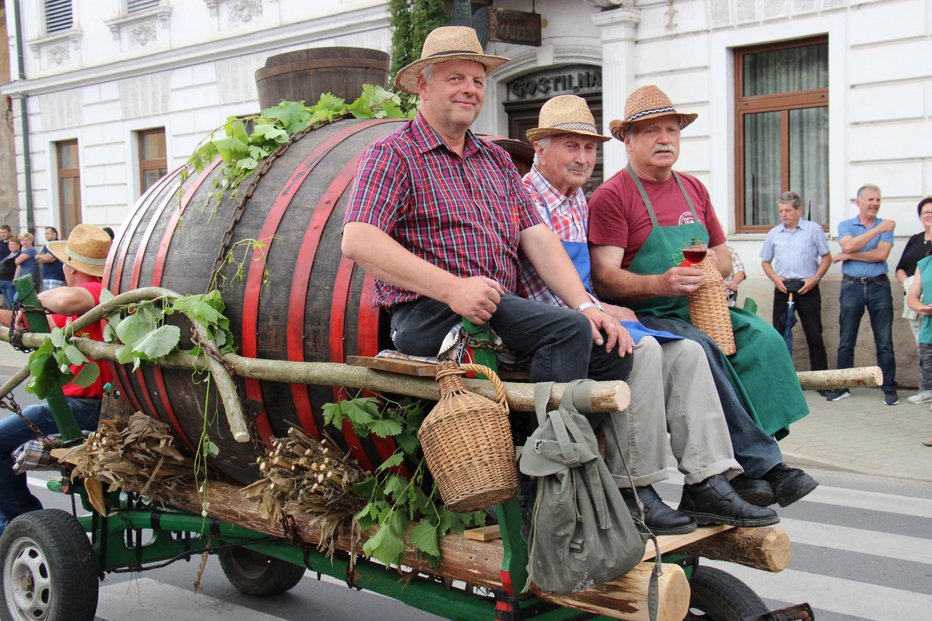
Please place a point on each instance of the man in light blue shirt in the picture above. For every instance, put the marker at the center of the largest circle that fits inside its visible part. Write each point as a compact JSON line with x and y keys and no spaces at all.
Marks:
{"x":795,"y":250}
{"x":866,"y":241}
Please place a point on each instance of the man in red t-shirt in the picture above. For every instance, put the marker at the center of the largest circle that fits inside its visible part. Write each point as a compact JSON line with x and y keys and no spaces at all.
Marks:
{"x":83,"y":255}
{"x":640,"y":220}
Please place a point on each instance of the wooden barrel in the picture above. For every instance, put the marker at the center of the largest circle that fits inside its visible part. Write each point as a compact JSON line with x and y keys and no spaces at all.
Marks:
{"x":304,"y":75}
{"x":299,"y":298}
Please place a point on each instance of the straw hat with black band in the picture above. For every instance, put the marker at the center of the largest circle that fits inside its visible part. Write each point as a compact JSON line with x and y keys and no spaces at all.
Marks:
{"x":85,"y":249}
{"x":444,"y":44}
{"x":566,"y":114}
{"x":647,"y":102}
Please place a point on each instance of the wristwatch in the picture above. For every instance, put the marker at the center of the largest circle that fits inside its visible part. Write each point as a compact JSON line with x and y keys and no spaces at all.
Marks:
{"x":590,"y":304}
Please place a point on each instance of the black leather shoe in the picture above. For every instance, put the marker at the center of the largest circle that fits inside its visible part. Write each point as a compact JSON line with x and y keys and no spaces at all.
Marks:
{"x":789,"y":484}
{"x":658,"y":517}
{"x":715,"y":501}
{"x":756,"y":491}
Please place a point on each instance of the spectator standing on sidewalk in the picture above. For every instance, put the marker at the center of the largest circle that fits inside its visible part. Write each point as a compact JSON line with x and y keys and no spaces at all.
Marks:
{"x":5,"y":233}
{"x":866,"y":241}
{"x":8,"y":270}
{"x":27,"y":259}
{"x":52,"y":274}
{"x":917,"y":247}
{"x":919,"y":299}
{"x":796,"y":250}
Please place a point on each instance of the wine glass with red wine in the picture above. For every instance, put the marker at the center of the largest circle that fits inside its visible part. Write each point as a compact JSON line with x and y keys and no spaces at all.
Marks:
{"x":694,"y":251}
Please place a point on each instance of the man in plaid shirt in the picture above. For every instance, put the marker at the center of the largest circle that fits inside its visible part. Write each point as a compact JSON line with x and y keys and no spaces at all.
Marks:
{"x":671,"y":383}
{"x":437,"y":216}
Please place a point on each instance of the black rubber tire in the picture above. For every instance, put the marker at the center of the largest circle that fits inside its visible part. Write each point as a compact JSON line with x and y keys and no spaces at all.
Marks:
{"x":49,"y":571}
{"x":256,"y":574}
{"x":719,"y":596}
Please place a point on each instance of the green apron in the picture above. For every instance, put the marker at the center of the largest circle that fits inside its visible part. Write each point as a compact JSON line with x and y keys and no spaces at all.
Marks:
{"x":761,"y":370}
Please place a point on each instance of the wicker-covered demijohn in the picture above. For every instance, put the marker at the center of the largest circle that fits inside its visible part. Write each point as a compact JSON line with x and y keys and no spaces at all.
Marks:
{"x":467,"y":441}
{"x":708,"y":308}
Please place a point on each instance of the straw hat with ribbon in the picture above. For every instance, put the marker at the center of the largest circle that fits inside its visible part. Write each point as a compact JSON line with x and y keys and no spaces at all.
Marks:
{"x":647,"y":102}
{"x":441,"y":45}
{"x":566,"y":114}
{"x":85,"y":249}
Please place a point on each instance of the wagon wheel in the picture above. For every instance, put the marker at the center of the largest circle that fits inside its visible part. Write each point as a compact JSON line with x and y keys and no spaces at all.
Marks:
{"x":718,"y":595}
{"x":49,"y":570}
{"x":257,"y":574}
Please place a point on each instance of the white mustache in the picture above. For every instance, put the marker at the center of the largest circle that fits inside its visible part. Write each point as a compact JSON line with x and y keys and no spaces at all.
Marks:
{"x":663,"y":149}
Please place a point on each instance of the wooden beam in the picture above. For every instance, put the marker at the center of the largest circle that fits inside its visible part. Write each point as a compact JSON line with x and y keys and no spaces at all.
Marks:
{"x":760,"y":548}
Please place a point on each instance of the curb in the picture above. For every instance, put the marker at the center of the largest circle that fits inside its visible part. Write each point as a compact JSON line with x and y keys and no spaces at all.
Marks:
{"x":801,"y":461}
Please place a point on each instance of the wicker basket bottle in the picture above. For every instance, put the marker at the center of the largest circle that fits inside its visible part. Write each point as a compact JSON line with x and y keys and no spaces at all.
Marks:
{"x":466,"y":439}
{"x":708,"y":308}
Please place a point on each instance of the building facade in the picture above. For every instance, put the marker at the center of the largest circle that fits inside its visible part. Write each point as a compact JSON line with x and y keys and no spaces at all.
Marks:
{"x":817,"y":96}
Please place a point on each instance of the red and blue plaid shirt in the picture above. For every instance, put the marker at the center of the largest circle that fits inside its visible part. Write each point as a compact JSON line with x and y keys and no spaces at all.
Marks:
{"x":463,"y":215}
{"x":567,"y":218}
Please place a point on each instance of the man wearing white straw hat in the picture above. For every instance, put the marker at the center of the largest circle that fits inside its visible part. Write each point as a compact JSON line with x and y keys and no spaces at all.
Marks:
{"x":671,"y":384}
{"x":84,"y":255}
{"x":640,"y":220}
{"x":437,"y":216}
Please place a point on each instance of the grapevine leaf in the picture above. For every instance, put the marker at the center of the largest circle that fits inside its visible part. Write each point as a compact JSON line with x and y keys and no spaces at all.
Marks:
{"x":135,"y":328}
{"x":385,"y":427}
{"x":395,"y":460}
{"x":87,"y":376}
{"x":236,"y":129}
{"x":257,"y":153}
{"x":394,"y":486}
{"x":386,"y":546}
{"x":231,"y":149}
{"x":247,"y":163}
{"x":291,"y":114}
{"x":105,"y":295}
{"x":125,"y":354}
{"x":269,"y":132}
{"x":408,"y":441}
{"x":197,"y":308}
{"x":158,"y":343}
{"x":74,"y":355}
{"x":57,"y":336}
{"x":424,"y":538}
{"x":358,"y":416}
{"x":333,"y":415}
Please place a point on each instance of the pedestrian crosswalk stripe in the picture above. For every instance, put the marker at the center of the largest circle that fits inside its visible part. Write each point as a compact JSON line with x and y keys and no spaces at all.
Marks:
{"x":849,"y":597}
{"x":871,"y":542}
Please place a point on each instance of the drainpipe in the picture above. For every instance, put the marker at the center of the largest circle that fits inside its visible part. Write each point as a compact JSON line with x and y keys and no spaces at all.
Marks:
{"x":24,"y":117}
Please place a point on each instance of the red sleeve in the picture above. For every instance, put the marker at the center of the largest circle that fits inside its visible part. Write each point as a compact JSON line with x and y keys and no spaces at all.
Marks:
{"x":607,"y":224}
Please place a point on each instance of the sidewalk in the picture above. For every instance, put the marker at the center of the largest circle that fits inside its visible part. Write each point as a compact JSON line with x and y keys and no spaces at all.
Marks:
{"x":859,"y":434}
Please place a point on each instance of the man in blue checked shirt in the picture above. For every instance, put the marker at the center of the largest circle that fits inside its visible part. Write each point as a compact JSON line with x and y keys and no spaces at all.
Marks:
{"x":795,"y":250}
{"x":866,"y":241}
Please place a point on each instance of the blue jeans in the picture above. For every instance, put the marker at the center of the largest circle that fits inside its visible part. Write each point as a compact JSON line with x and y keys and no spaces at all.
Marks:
{"x":9,"y":292}
{"x":876,"y":298}
{"x":15,"y":497}
{"x":756,"y":451}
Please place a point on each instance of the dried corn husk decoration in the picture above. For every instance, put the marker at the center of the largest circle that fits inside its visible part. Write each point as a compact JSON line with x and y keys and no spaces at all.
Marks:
{"x":708,"y":308}
{"x":466,"y":439}
{"x":313,"y":478}
{"x":135,"y":455}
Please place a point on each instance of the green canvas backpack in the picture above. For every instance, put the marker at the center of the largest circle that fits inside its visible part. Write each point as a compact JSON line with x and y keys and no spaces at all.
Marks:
{"x":582,"y":534}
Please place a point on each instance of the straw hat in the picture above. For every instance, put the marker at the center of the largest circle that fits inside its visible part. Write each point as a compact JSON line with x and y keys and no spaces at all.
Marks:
{"x":566,"y":114}
{"x":441,"y":45}
{"x":85,"y":249}
{"x":647,"y":102}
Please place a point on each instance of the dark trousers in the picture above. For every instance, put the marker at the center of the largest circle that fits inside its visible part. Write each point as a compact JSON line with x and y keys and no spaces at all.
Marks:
{"x":756,"y":451}
{"x":877,"y":299}
{"x":809,"y":310}
{"x":557,"y":341}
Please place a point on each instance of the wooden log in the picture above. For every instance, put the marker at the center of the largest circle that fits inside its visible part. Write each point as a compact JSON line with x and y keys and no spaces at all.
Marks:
{"x":840,"y":378}
{"x":626,"y":598}
{"x":606,"y":396}
{"x":474,"y":562}
{"x":760,"y":548}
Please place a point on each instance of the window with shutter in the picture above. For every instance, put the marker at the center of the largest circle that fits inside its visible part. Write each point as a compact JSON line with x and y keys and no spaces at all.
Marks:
{"x":140,"y":6}
{"x":58,"y":16}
